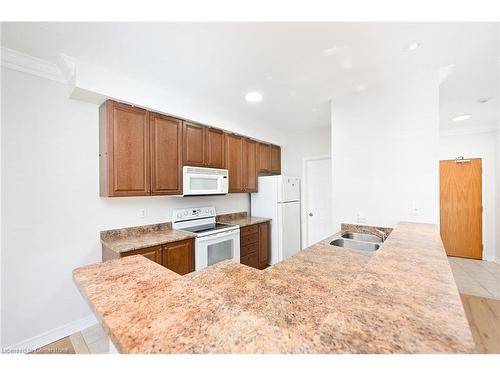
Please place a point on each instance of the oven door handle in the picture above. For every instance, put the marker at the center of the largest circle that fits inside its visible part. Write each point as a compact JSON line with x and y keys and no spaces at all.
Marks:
{"x":218,"y":235}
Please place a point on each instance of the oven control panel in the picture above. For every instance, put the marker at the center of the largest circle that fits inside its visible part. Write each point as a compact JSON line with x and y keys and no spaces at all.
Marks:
{"x":181,"y":214}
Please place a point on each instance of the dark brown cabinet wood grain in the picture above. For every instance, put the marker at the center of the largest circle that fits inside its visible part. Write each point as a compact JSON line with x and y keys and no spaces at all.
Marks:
{"x":214,"y":148}
{"x":176,"y":256}
{"x":166,"y":154}
{"x":264,"y":157}
{"x":249,"y":166}
{"x":275,"y":159}
{"x":123,"y":150}
{"x":142,"y":153}
{"x":179,"y":256}
{"x":234,"y":161}
{"x":264,"y":244}
{"x":194,"y":145}
{"x":203,"y":146}
{"x":255,"y":245}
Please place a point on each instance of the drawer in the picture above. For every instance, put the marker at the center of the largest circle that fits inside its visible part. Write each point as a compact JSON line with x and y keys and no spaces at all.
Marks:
{"x":251,"y":229}
{"x":251,"y":260}
{"x":247,"y":240}
{"x":249,"y":249}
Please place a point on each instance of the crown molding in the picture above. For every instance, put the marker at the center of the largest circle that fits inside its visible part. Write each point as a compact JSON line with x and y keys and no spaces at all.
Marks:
{"x":22,"y":62}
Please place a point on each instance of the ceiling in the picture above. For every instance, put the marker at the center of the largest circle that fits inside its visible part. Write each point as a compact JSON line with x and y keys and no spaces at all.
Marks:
{"x":298,"y":67}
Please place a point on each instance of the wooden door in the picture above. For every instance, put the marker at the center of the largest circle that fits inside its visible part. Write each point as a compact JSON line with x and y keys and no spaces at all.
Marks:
{"x":179,"y":257}
{"x":214,"y":148}
{"x":249,"y":166}
{"x":127,"y":150}
{"x":234,"y":161}
{"x":264,"y":245}
{"x":193,"y":139}
{"x":461,"y":207}
{"x":264,"y":157}
{"x":275,"y":159}
{"x":166,"y":154}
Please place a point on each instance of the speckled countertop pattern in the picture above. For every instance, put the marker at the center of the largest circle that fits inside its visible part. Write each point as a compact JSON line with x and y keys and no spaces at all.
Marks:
{"x":400,"y":299}
{"x":133,"y":238}
{"x":240,"y":218}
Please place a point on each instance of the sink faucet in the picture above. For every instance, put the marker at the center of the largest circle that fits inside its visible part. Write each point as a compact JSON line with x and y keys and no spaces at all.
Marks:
{"x":382,"y":234}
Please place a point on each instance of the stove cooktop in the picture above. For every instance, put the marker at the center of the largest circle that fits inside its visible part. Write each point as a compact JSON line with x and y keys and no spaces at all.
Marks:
{"x":205,"y":228}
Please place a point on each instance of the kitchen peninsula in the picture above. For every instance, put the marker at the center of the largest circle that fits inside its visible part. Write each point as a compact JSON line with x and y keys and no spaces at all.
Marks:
{"x":399,"y":299}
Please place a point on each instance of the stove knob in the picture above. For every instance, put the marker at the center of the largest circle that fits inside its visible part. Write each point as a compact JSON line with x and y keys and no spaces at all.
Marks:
{"x":206,"y":211}
{"x":212,"y":212}
{"x":185,"y":212}
{"x":179,"y":215}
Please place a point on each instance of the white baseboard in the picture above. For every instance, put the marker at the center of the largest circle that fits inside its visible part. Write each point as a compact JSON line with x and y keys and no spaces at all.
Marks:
{"x":55,"y":334}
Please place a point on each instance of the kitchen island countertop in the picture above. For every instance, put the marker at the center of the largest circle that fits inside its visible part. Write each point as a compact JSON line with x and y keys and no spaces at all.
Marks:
{"x":399,"y":299}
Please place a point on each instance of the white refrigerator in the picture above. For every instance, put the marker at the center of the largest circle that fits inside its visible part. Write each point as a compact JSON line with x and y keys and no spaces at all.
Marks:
{"x":279,"y":199}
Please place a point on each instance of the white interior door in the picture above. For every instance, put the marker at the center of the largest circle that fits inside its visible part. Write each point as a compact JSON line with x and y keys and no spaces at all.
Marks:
{"x":318,"y":199}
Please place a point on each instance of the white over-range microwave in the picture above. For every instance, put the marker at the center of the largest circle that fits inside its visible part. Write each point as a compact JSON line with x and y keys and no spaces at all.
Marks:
{"x":204,"y":181}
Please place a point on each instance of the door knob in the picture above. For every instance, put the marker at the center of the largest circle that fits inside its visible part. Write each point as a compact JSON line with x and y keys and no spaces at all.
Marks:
{"x":310,"y":214}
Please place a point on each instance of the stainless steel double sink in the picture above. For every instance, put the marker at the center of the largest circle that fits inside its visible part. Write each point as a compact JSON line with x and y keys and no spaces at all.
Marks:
{"x":359,"y":241}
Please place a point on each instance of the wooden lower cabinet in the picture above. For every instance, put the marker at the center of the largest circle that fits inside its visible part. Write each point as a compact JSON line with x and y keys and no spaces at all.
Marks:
{"x":176,"y":256}
{"x":255,"y":246}
{"x":179,"y":256}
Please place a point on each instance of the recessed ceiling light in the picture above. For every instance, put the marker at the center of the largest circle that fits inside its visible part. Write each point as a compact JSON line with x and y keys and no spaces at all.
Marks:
{"x":461,"y":117}
{"x":253,"y":97}
{"x":269,"y":77}
{"x":413,"y":46}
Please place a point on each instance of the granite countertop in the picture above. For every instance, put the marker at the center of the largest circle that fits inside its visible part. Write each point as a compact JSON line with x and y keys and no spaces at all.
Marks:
{"x":133,"y":238}
{"x":325,"y":299}
{"x":241,"y":218}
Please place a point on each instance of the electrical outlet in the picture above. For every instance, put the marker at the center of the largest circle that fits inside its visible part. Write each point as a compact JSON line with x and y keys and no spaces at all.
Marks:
{"x":143,"y":212}
{"x":361,"y":218}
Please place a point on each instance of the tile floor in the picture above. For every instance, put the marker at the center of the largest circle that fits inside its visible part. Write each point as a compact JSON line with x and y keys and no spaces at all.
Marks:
{"x":476,"y":277}
{"x":91,"y":340}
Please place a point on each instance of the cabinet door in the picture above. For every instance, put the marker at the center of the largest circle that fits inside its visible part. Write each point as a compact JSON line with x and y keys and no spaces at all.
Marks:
{"x":179,"y":257}
{"x":127,"y":150}
{"x":214,"y":148}
{"x":193,"y":140}
{"x":276,"y":159}
{"x":251,"y":260}
{"x":249,"y":166}
{"x":264,"y":245}
{"x":234,"y":161}
{"x":264,"y":157}
{"x":152,"y":253}
{"x":166,"y":154}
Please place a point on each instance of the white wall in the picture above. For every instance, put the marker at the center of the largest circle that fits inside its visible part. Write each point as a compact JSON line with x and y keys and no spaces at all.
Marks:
{"x":385,"y":152}
{"x":51,"y":210}
{"x":478,"y":145}
{"x":301,"y":144}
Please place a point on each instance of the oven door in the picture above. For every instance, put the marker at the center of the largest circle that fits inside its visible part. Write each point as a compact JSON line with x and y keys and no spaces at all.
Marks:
{"x":215,"y":248}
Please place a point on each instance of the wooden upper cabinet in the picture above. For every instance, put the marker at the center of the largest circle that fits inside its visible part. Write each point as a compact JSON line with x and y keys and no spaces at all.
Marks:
{"x":166,"y":154}
{"x":264,"y":157}
{"x":249,"y":166}
{"x":214,"y":148}
{"x":123,"y":150}
{"x":203,"y":146}
{"x":234,"y":161}
{"x":179,"y":256}
{"x":194,"y":145}
{"x":275,"y":159}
